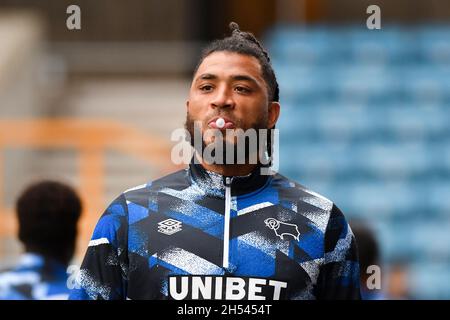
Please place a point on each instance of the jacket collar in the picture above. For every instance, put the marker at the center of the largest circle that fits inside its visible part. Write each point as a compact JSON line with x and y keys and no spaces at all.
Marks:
{"x":213,"y":183}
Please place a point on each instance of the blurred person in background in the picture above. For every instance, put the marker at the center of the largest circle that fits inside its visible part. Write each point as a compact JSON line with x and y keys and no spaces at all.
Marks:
{"x":369,"y":255}
{"x":48,"y":214}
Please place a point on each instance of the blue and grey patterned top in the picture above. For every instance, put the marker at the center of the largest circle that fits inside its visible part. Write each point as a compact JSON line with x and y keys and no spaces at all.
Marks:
{"x":196,"y":235}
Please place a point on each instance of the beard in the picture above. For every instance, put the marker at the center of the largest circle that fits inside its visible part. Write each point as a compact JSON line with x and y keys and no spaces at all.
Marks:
{"x":229,"y":141}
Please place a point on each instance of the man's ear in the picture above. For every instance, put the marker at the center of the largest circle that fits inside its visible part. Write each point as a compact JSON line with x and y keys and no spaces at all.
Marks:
{"x":187,"y":105}
{"x":274,"y":113}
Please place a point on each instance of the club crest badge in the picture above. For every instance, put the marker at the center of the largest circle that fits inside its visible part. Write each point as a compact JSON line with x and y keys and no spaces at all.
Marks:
{"x":283,"y":229}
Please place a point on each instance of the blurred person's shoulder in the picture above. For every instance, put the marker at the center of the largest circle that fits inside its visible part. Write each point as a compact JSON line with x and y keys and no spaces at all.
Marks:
{"x":8,"y":280}
{"x":34,"y":277}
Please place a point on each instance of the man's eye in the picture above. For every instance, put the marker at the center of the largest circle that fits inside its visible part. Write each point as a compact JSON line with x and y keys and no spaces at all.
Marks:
{"x":206,"y":88}
{"x":242,"y":89}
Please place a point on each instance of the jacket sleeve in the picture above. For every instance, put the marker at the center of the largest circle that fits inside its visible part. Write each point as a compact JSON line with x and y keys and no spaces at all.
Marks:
{"x":339,"y":275}
{"x":103,"y":272}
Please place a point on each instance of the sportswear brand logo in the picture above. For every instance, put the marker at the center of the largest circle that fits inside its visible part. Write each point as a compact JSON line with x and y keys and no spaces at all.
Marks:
{"x":283,"y":229}
{"x":169,"y":226}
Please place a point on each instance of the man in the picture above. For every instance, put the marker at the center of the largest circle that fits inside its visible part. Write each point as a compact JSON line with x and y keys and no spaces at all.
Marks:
{"x":48,"y":213}
{"x":221,"y":230}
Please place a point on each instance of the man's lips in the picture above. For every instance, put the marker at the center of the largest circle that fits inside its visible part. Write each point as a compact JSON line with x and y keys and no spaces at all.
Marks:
{"x":228,"y":123}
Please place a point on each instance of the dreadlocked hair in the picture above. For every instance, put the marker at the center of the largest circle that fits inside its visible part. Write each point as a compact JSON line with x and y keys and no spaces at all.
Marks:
{"x":246,"y":43}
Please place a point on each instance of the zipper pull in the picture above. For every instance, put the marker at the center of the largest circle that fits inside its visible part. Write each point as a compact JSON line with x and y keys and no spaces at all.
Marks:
{"x":227,"y":181}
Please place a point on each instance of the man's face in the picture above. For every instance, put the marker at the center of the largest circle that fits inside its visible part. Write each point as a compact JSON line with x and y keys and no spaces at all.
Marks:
{"x":230,"y":85}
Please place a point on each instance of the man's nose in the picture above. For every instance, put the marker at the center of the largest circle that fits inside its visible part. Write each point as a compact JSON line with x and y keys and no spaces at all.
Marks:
{"x":222,"y":99}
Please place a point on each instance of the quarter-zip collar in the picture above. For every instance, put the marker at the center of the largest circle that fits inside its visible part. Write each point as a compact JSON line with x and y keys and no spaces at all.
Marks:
{"x":214,"y":184}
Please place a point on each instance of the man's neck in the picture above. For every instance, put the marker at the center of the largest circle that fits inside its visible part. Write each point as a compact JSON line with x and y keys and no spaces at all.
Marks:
{"x":227,"y":170}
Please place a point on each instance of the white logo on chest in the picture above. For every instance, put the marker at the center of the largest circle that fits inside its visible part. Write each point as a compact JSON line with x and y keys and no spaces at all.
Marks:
{"x":283,"y":229}
{"x":169,"y":226}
